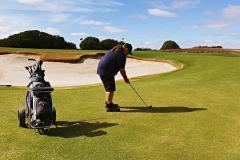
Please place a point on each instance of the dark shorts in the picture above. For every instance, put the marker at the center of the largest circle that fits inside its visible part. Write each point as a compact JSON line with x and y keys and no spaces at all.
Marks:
{"x":109,"y":83}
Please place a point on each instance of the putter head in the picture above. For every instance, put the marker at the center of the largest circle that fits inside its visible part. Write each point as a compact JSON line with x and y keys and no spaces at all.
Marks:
{"x":150,"y":106}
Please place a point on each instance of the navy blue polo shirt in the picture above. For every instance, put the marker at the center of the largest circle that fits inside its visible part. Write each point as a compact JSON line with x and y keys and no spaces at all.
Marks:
{"x":111,"y":63}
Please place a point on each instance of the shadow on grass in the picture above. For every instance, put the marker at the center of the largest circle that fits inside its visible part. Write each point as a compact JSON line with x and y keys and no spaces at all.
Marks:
{"x":67,"y":129}
{"x":170,"y":109}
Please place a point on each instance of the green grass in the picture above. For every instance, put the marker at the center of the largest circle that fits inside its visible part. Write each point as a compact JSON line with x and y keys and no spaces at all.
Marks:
{"x":195,"y":116}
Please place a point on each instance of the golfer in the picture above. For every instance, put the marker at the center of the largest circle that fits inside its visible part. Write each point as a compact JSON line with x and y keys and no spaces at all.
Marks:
{"x":113,"y":62}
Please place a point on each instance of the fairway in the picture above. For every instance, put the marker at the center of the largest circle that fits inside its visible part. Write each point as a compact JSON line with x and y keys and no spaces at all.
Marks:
{"x":195,"y":116}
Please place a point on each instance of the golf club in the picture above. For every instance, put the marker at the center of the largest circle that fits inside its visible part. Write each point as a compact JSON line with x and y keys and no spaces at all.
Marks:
{"x":148,"y":106}
{"x":31,"y":59}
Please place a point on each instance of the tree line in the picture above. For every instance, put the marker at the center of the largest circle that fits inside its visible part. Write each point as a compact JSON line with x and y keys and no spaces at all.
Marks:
{"x":36,"y":39}
{"x":93,"y":43}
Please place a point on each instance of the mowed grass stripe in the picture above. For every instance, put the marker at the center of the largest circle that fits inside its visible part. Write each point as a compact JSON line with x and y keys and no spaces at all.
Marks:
{"x":195,"y":115}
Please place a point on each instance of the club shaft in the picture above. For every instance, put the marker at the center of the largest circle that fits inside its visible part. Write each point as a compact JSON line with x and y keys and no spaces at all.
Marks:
{"x":138,"y":95}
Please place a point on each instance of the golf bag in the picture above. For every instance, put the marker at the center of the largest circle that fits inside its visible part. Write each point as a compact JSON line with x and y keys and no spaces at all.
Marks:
{"x":39,"y":108}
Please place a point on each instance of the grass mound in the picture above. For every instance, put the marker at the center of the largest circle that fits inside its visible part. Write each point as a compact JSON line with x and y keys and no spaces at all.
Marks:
{"x":58,"y":55}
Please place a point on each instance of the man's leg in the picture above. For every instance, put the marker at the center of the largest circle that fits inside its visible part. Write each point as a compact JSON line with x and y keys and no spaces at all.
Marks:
{"x":109,"y":85}
{"x":109,"y":97}
{"x":110,"y":106}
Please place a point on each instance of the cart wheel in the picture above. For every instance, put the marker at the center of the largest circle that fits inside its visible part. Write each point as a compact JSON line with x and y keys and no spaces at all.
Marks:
{"x":54,"y":115}
{"x":21,"y":117}
{"x":42,"y":131}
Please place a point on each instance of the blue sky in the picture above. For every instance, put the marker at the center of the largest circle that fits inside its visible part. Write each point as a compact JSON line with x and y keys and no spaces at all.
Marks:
{"x":143,"y":23}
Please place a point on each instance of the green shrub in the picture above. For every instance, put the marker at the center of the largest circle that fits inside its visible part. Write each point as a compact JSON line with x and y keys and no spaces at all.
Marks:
{"x":93,"y":43}
{"x":108,"y":44}
{"x":90,"y":43}
{"x":170,"y":45}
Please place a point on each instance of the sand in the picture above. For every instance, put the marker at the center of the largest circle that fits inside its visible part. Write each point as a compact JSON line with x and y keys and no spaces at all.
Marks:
{"x":12,"y":71}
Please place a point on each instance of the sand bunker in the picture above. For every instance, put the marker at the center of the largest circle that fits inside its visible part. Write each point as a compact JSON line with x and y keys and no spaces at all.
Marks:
{"x":12,"y":71}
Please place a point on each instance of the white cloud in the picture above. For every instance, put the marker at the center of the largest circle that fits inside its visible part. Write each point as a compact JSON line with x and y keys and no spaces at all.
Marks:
{"x":78,"y":34}
{"x":93,"y":22}
{"x":155,"y":44}
{"x":83,"y":6}
{"x":51,"y":30}
{"x":182,"y":4}
{"x":52,"y":7}
{"x":215,"y":25}
{"x":157,"y":4}
{"x":112,"y":29}
{"x":173,"y":4}
{"x":208,"y":13}
{"x":102,"y":2}
{"x":31,"y":2}
{"x":112,"y":3}
{"x":79,"y":9}
{"x":147,"y":42}
{"x":3,"y":29}
{"x":209,"y":25}
{"x":161,"y":13}
{"x":12,"y":25}
{"x":102,"y":25}
{"x":232,"y":12}
{"x":139,"y":16}
{"x":58,"y":18}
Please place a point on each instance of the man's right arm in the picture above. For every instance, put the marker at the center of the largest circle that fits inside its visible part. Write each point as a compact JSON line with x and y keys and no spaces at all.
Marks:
{"x":124,"y":75}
